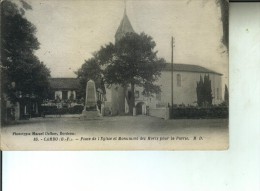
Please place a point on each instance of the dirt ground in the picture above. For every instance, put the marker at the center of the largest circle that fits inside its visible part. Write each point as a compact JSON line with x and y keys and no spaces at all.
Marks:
{"x":115,"y":133}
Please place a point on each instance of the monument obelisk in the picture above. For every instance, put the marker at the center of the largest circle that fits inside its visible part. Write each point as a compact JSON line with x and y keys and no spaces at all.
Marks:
{"x":90,"y":109}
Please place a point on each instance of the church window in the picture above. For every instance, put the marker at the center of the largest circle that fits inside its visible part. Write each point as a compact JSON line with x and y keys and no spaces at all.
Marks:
{"x":178,"y":80}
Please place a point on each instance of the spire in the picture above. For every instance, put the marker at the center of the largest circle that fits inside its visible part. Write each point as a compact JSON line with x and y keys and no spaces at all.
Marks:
{"x":124,"y":27}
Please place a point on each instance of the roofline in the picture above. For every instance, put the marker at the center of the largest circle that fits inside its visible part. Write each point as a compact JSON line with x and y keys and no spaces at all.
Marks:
{"x":208,"y":72}
{"x":194,"y":72}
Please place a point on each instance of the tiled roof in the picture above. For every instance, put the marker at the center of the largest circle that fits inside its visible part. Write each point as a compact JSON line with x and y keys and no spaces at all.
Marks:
{"x":125,"y":26}
{"x":64,"y":83}
{"x":188,"y":68}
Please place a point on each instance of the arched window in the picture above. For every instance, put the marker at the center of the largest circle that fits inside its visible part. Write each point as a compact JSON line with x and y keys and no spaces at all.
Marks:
{"x":178,"y":80}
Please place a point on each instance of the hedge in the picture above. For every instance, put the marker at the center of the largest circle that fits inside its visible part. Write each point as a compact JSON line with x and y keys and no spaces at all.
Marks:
{"x":199,"y":112}
{"x":53,"y":110}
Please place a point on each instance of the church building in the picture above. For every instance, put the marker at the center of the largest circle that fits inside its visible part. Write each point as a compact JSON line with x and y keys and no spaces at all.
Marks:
{"x":185,"y":78}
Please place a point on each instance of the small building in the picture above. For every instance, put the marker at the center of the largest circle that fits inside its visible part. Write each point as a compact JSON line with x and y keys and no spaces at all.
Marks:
{"x":68,"y":92}
{"x":25,"y":107}
{"x":64,"y":88}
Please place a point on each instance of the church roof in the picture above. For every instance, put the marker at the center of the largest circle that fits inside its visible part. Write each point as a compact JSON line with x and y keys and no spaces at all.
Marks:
{"x":189,"y":68}
{"x":64,"y":83}
{"x":125,"y":26}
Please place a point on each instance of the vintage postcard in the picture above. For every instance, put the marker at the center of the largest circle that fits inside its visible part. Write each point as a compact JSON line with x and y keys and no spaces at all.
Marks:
{"x":114,"y":75}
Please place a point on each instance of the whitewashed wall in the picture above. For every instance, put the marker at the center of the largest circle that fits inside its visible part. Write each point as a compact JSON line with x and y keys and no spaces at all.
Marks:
{"x":186,"y":93}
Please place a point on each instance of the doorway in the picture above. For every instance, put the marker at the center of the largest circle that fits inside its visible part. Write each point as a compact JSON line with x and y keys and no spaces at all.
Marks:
{"x":140,"y":108}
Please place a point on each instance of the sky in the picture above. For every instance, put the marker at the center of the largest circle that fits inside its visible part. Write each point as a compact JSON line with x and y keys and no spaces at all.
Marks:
{"x":71,"y":31}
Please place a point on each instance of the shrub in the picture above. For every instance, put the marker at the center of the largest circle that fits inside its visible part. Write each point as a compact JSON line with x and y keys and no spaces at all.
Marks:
{"x":199,"y":112}
{"x":53,"y":110}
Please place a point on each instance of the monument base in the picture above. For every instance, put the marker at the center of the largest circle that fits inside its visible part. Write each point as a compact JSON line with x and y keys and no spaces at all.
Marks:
{"x":91,"y":114}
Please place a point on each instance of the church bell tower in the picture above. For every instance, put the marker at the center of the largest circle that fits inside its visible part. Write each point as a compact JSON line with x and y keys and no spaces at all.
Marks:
{"x":118,"y":102}
{"x":124,"y":27}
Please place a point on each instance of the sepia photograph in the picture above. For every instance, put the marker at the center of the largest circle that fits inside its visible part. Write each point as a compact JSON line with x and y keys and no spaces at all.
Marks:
{"x":114,"y":75}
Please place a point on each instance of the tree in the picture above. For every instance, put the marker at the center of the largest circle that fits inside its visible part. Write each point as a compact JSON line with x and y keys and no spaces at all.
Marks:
{"x":224,"y":8}
{"x":226,"y":95}
{"x":132,"y":61}
{"x":90,"y":70}
{"x":204,"y":93}
{"x":18,"y":63}
{"x":199,"y":89}
{"x":21,"y":70}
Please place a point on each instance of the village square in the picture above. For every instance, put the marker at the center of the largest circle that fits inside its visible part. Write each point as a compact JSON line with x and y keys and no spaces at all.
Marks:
{"x":123,"y":86}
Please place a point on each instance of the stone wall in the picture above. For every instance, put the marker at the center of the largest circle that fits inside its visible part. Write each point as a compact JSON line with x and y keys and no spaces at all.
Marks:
{"x":160,"y":112}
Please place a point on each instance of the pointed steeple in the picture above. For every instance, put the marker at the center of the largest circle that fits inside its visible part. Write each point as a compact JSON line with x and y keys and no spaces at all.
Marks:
{"x":124,"y":27}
